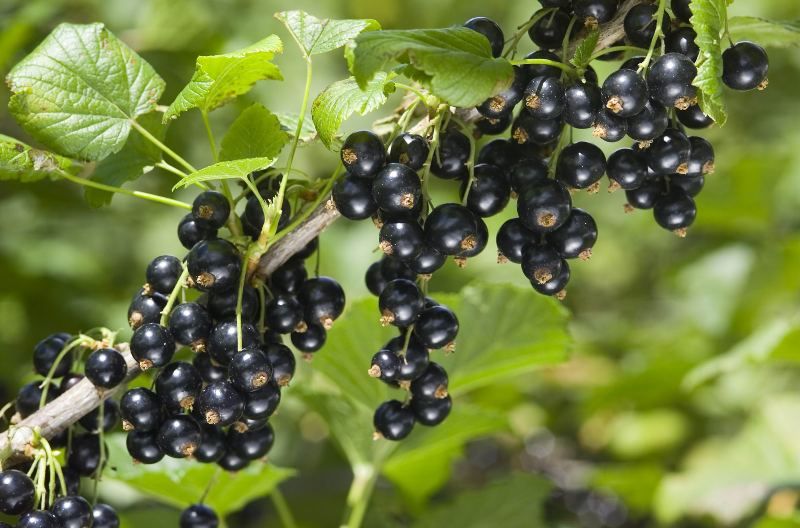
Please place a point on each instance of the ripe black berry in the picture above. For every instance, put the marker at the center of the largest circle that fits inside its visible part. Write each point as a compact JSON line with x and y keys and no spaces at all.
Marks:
{"x":140,"y":409}
{"x":451,"y":229}
{"x":453,"y":152}
{"x":198,"y":516}
{"x":312,"y":339}
{"x":178,"y":385}
{"x":670,"y":80}
{"x":544,"y":97}
{"x":541,"y":263}
{"x":385,"y":365}
{"x":212,"y":208}
{"x":680,"y":8}
{"x":396,"y":189}
{"x":72,"y":512}
{"x":401,"y":239}
{"x":512,"y":237}
{"x":222,"y":305}
{"x":38,"y":519}
{"x":536,"y":70}
{"x":640,"y":25}
{"x":489,"y":29}
{"x":600,"y":11}
{"x":232,"y":462}
{"x":282,"y":361}
{"x":692,"y":185}
{"x":261,"y":403}
{"x":701,"y":157}
{"x":609,"y":126}
{"x":580,"y":165}
{"x":251,"y":444}
{"x":682,"y":41}
{"x":544,"y":207}
{"x":556,"y":285}
{"x":47,"y":350}
{"x":400,"y":303}
{"x":501,"y":105}
{"x":29,"y":396}
{"x":163,"y":273}
{"x":249,"y":370}
{"x":393,"y":421}
{"x":627,"y":168}
{"x":431,"y":412}
{"x":427,"y":261}
{"x":498,"y":152}
{"x":675,"y":210}
{"x":669,"y":153}
{"x":436,"y":327}
{"x":84,"y":455}
{"x":481,"y":239}
{"x":104,"y":516}
{"x":582,"y":101}
{"x":548,"y":31}
{"x":106,"y":368}
{"x":179,"y":436}
{"x":410,"y":150}
{"x":528,"y":129}
{"x":415,"y":359}
{"x":527,"y":172}
{"x":145,"y":308}
{"x":353,"y":198}
{"x":374,"y":278}
{"x":143,"y":447}
{"x":289,"y":278}
{"x":16,"y":492}
{"x":489,"y":192}
{"x":253,"y":217}
{"x":625,"y":93}
{"x":68,"y":381}
{"x":283,"y":313}
{"x":190,"y":231}
{"x":650,"y":123}
{"x":214,"y":265}
{"x":190,"y":324}
{"x":91,"y":421}
{"x":645,"y":196}
{"x":152,"y":346}
{"x":363,"y":154}
{"x":223,"y":341}
{"x":323,"y":299}
{"x":576,"y":237}
{"x":209,"y":371}
{"x":693,"y":117}
{"x":745,"y":66}
{"x":212,"y":444}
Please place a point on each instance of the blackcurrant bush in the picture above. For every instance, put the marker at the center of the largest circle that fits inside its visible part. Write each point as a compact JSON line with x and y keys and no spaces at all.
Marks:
{"x":646,"y":195}
{"x":251,"y":444}
{"x":670,"y":80}
{"x":47,"y":351}
{"x":145,"y":308}
{"x":152,"y":345}
{"x":436,"y":327}
{"x":625,"y":93}
{"x":72,"y":512}
{"x":580,"y":165}
{"x":402,"y":239}
{"x":282,"y":361}
{"x":451,"y":229}
{"x":528,"y":129}
{"x":385,"y":366}
{"x":489,"y":192}
{"x":84,"y":454}
{"x":502,"y":104}
{"x":363,"y":154}
{"x":104,"y":516}
{"x":396,"y":189}
{"x":16,"y":492}
{"x":544,"y":97}
{"x":105,"y":368}
{"x":143,"y":447}
{"x":682,"y":40}
{"x":263,"y":402}
{"x":489,"y":29}
{"x":555,"y":286}
{"x":627,"y":168}
{"x":198,"y":516}
{"x":410,"y":150}
{"x":393,"y":421}
{"x":190,"y":231}
{"x":289,"y":277}
{"x":190,"y":324}
{"x":544,"y":207}
{"x":249,"y":370}
{"x":669,"y":153}
{"x":163,"y":273}
{"x":353,"y":198}
{"x":400,"y":303}
{"x":450,"y":162}
{"x":140,"y":409}
{"x":179,"y":436}
{"x":178,"y":385}
{"x":600,"y":11}
{"x":323,"y":299}
{"x":541,"y":262}
{"x":745,"y":66}
{"x":283,"y":313}
{"x":536,"y":70}
{"x":693,"y":117}
{"x":576,"y":237}
{"x":212,"y":208}
{"x":548,"y":31}
{"x":640,"y":25}
{"x":701,"y":157}
{"x":214,"y":265}
{"x":223,"y":341}
{"x":512,"y":237}
{"x":91,"y":421}
{"x":675,"y":210}
{"x":222,"y":304}
{"x":649,"y":123}
{"x":212,"y":444}
{"x":39,"y":519}
{"x":582,"y":101}
{"x":431,"y":412}
{"x":680,"y":8}
{"x":312,"y":339}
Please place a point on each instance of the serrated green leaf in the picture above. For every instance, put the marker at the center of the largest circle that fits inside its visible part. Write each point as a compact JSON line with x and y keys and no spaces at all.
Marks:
{"x":768,"y":33}
{"x":218,"y":79}
{"x":136,"y":158}
{"x":226,"y":170}
{"x":308,"y":133}
{"x":457,"y":60}
{"x":182,"y":482}
{"x":22,"y":162}
{"x":320,"y":35}
{"x":708,"y":20}
{"x":79,"y":90}
{"x":256,"y":133}
{"x":583,"y":53}
{"x":341,"y":99}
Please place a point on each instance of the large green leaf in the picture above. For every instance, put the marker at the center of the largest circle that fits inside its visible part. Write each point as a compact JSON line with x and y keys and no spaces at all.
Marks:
{"x":79,"y":90}
{"x":218,"y":79}
{"x":136,"y":158}
{"x":22,"y":162}
{"x":226,"y":170}
{"x":320,"y":35}
{"x":341,"y":99}
{"x":455,"y":63}
{"x":708,"y":20}
{"x":256,"y":133}
{"x":182,"y":482}
{"x":767,"y":33}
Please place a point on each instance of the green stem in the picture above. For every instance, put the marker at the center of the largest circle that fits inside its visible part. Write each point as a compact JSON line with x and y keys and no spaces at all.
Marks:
{"x":119,"y":190}
{"x":242,"y":281}
{"x":419,"y":93}
{"x":364,"y":479}
{"x":169,"y":168}
{"x":547,"y":62}
{"x":210,"y":135}
{"x":282,"y":507}
{"x":45,"y":385}
{"x":523,"y":29}
{"x":155,"y":141}
{"x":470,"y":165}
{"x":173,"y":296}
{"x":565,"y":41}
{"x":614,"y":49}
{"x":426,"y":168}
{"x":659,"y":17}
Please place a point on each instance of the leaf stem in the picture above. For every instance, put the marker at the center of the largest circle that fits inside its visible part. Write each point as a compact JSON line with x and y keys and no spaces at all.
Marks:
{"x":659,"y":17}
{"x":613,"y":49}
{"x":155,"y":141}
{"x":413,"y":90}
{"x":211,"y":143}
{"x":173,"y":296}
{"x":364,"y":478}
{"x":119,"y":190}
{"x":169,"y":168}
{"x":282,"y":507}
{"x":240,"y":294}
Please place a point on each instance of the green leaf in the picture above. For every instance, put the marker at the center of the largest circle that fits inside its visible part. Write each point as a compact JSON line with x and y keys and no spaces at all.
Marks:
{"x":136,"y":158}
{"x":256,"y":133}
{"x":226,"y":170}
{"x":218,"y":79}
{"x":708,"y":20}
{"x":79,"y":90}
{"x":320,"y":35}
{"x":458,"y":61}
{"x":516,"y":500}
{"x":308,"y":133}
{"x":22,"y":162}
{"x":768,"y":33}
{"x":341,"y":99}
{"x":583,"y":53}
{"x":182,"y":482}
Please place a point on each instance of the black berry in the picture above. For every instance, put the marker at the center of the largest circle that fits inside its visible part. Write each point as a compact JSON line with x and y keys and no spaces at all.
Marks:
{"x":670,"y":80}
{"x":393,"y":421}
{"x":512,"y":237}
{"x":745,"y":66}
{"x":143,"y":447}
{"x":179,"y":436}
{"x":363,"y":154}
{"x":436,"y":327}
{"x":352,"y":196}
{"x":152,"y":345}
{"x":47,"y":350}
{"x":214,"y":265}
{"x":675,"y":210}
{"x":489,"y":29}
{"x":544,"y":207}
{"x":198,"y":516}
{"x":249,"y":370}
{"x":223,"y":341}
{"x":105,"y":368}
{"x":178,"y":385}
{"x":624,"y":93}
{"x":190,"y":324}
{"x":576,"y":237}
{"x":489,"y":192}
{"x":16,"y":492}
{"x":212,"y":208}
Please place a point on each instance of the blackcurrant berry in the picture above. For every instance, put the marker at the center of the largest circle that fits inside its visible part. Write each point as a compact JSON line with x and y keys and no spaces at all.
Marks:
{"x":410,"y":150}
{"x":374,"y":279}
{"x":212,"y":208}
{"x":745,"y":66}
{"x":649,"y":123}
{"x":152,"y":345}
{"x":385,"y":365}
{"x":675,"y":210}
{"x":353,"y":198}
{"x":178,"y":385}
{"x":283,"y":313}
{"x":39,"y":519}
{"x":312,"y":339}
{"x":232,"y":462}
{"x":625,"y":93}
{"x":609,"y":126}
{"x":493,"y":126}
{"x":436,"y":327}
{"x":393,"y":268}
{"x":91,"y":421}
{"x":396,"y":189}
{"x":414,"y":357}
{"x":323,"y":299}
{"x":30,"y":395}
{"x":451,"y":229}
{"x":544,"y":207}
{"x":190,"y":324}
{"x":214,"y":265}
{"x":179,"y":436}
{"x":198,"y":516}
{"x":282,"y":361}
{"x":701,"y":157}
{"x":489,"y":29}
{"x":502,"y":104}
{"x":632,"y":63}
{"x":669,"y":153}
{"x":646,"y":196}
{"x":450,"y":162}
{"x":72,"y":512}
{"x":208,"y":370}
{"x":489,"y":192}
{"x":600,"y":11}
{"x":104,"y":516}
{"x":582,"y":101}
{"x":393,"y":421}
{"x":363,"y":154}
{"x":498,"y":152}
{"x":47,"y":351}
{"x":581,"y":165}
{"x":212,"y":444}
{"x":527,"y":129}
{"x":145,"y":308}
{"x":556,"y":285}
{"x":289,"y":278}
{"x":481,"y":239}
{"x":541,"y":262}
{"x":680,"y":8}
{"x":431,"y":412}
{"x":253,"y":217}
{"x":68,"y":381}
{"x":106,"y":368}
{"x":223,"y":341}
{"x":576,"y":237}
{"x":401,"y":239}
{"x":140,"y":409}
{"x":222,"y":305}
{"x":640,"y":25}
{"x":536,"y":70}
{"x":84,"y":455}
{"x":16,"y":492}
{"x":670,"y":80}
{"x":163,"y":273}
{"x":691,"y":184}
{"x":190,"y":231}
{"x":512,"y":237}
{"x":693,"y":117}
{"x":527,"y":172}
{"x":143,"y":447}
{"x":251,"y":444}
{"x":432,"y":384}
{"x":400,"y":303}
{"x":427,"y":261}
{"x":249,"y":370}
{"x":263,"y":402}
{"x":544,"y":97}
{"x":682,"y":41}
{"x":627,"y":168}
{"x":548,"y":31}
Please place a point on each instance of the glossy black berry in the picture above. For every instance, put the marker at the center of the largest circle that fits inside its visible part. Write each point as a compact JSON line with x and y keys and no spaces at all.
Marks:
{"x":582,"y":101}
{"x":745,"y":66}
{"x":374,"y":279}
{"x":670,"y":80}
{"x":232,"y":462}
{"x":209,"y":371}
{"x":393,"y":268}
{"x":669,"y":153}
{"x":163,"y":272}
{"x":544,"y":207}
{"x":693,"y":117}
{"x":363,"y":154}
{"x":282,"y":361}
{"x":436,"y":327}
{"x":432,"y":384}
{"x":39,"y":519}
{"x":410,"y":150}
{"x":556,"y":285}
{"x":682,"y":40}
{"x":481,"y":239}
{"x":414,"y":357}
{"x":427,"y":261}
{"x":145,"y":308}
{"x":680,"y":8}
{"x":222,"y":305}
{"x":283,"y":313}
{"x":493,"y":126}
{"x":393,"y":421}
{"x":222,"y":343}
{"x":178,"y":384}
{"x":214,"y":265}
{"x":323,"y":299}
{"x":249,"y":370}
{"x":68,"y":381}
{"x":143,"y":447}
{"x":352,"y":196}
{"x":650,"y":123}
{"x":84,"y":455}
{"x":624,"y":93}
{"x":289,"y":278}
{"x":548,"y":31}
{"x":72,"y":512}
{"x":400,"y":303}
{"x":544,"y":97}
{"x":498,"y":152}
{"x":431,"y":412}
{"x":627,"y":168}
{"x":600,"y":11}
{"x":489,"y":192}
{"x":312,"y":339}
{"x":450,"y":162}
{"x":190,"y":325}
{"x":104,"y":516}
{"x":262,"y":403}
{"x":451,"y":229}
{"x":47,"y":351}
{"x":178,"y":436}
{"x":528,"y":129}
{"x":212,"y":208}
{"x":489,"y":29}
{"x":105,"y":368}
{"x":536,"y":70}
{"x":198,"y":516}
{"x":646,"y":195}
{"x":640,"y":25}
{"x":502,"y":104}
{"x":385,"y":365}
{"x":576,"y":237}
{"x":512,"y":237}
{"x":29,"y":396}
{"x":526,"y":173}
{"x":675,"y":210}
{"x":152,"y":345}
{"x":541,"y":262}
{"x":140,"y":409}
{"x":190,"y":231}
{"x":92,"y":423}
{"x":396,"y":189}
{"x":701,"y":157}
{"x":580,"y":165}
{"x":16,"y":492}
{"x":692,"y":185}
{"x":252,"y":444}
{"x":253,"y":217}
{"x":609,"y":126}
{"x":401,"y":239}
{"x":632,"y":63}
{"x":212,"y":444}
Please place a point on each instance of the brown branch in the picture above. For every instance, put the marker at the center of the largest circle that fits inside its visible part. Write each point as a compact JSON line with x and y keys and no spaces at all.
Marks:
{"x":611,"y":32}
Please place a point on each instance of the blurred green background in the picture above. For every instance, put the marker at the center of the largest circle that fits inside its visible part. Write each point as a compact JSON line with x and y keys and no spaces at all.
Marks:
{"x":680,"y":403}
